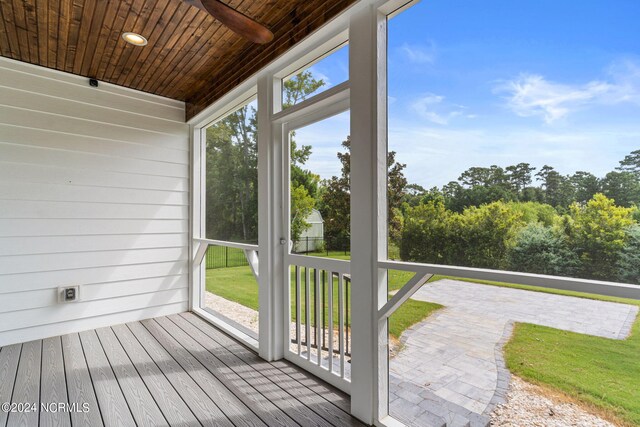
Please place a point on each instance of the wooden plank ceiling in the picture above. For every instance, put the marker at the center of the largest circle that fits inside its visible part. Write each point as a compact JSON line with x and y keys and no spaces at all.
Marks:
{"x":190,"y":56}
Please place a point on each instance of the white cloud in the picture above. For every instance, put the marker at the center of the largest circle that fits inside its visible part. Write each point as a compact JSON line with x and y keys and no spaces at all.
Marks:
{"x":318,"y":75}
{"x":325,"y":138}
{"x":436,"y":155}
{"x":419,"y":54}
{"x":432,"y":108}
{"x":532,"y":95}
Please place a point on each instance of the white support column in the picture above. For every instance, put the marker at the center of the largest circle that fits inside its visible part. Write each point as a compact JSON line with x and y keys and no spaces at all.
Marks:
{"x":197,"y":225}
{"x":270,"y":277}
{"x":367,"y":51}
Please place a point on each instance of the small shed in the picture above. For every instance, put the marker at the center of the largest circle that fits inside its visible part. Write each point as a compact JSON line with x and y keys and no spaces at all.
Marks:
{"x":312,"y":238}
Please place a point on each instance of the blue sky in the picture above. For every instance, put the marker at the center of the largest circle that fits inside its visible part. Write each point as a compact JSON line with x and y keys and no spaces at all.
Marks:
{"x":501,"y":82}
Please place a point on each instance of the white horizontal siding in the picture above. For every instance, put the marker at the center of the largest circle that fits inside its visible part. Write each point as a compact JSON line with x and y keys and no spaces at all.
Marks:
{"x":83,"y":276}
{"x":34,"y":173}
{"x":93,"y":192}
{"x":66,"y":244}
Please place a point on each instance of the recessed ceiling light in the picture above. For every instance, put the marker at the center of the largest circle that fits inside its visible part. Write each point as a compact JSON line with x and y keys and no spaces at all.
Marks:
{"x":134,"y":39}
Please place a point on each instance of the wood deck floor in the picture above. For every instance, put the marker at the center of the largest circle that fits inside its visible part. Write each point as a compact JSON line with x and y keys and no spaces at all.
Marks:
{"x":176,"y":370}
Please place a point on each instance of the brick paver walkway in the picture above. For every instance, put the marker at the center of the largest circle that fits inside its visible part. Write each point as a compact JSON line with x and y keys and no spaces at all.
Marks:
{"x":451,"y":371}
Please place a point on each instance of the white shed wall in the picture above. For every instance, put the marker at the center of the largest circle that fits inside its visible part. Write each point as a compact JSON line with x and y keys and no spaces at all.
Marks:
{"x":93,"y":192}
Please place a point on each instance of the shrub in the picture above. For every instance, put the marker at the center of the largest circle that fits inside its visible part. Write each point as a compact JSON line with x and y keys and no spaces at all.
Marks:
{"x":426,"y":233}
{"x":477,"y":237}
{"x":487,"y":233}
{"x":598,"y":233}
{"x":540,"y":249}
{"x":535,"y":212}
{"x":629,"y":262}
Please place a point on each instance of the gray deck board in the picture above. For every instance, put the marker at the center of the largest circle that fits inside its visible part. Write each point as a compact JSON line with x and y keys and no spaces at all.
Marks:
{"x":205,"y":409}
{"x":142,"y":405}
{"x":54,"y":385}
{"x":9,"y":358}
{"x":113,"y":405}
{"x":322,"y":405}
{"x":177,"y":370}
{"x":171,"y":404}
{"x":267,"y":387}
{"x":27,"y":385}
{"x":79,"y":386}
{"x":265,"y":412}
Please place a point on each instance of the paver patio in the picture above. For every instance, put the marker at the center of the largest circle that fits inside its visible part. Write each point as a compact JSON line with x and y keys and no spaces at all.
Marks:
{"x":451,"y":371}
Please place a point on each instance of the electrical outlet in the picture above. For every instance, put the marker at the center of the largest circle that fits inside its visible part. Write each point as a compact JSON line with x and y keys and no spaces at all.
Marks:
{"x":68,"y":294}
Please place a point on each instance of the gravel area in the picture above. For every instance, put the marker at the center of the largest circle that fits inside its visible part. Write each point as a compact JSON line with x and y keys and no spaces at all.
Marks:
{"x":529,"y":406}
{"x":234,"y":311}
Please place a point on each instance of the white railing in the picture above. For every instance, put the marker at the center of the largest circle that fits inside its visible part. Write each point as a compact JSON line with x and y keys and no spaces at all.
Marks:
{"x":319,"y":334}
{"x":598,"y":287}
{"x":229,"y":325}
{"x":250,"y":251}
{"x":425,"y":271}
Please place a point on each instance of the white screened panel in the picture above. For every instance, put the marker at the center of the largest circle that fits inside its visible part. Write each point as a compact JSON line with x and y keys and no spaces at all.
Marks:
{"x":93,"y":193}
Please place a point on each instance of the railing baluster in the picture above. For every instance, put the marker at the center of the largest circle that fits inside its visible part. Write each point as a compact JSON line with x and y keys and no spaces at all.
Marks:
{"x":307,"y":298}
{"x":318,"y":317}
{"x":330,"y":322}
{"x":346,"y":313}
{"x":324,"y":328}
{"x":298,"y":337}
{"x":341,"y":322}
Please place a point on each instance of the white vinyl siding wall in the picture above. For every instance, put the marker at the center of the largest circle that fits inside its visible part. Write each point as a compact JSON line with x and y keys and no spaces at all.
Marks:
{"x":93,"y":192}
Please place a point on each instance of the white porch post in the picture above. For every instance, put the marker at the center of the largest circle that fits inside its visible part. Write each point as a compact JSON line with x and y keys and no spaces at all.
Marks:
{"x":197,"y":213}
{"x":270,"y":212}
{"x":367,"y":37}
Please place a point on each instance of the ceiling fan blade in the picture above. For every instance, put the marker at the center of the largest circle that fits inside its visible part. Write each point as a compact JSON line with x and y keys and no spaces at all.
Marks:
{"x":234,"y":20}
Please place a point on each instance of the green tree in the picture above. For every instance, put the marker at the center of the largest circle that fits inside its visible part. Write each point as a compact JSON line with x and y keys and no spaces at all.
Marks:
{"x":488,"y":233}
{"x":623,"y":187}
{"x":427,"y":234}
{"x":299,"y":87}
{"x":415,"y":193}
{"x":477,"y":237}
{"x":586,"y":186}
{"x":520,"y":175}
{"x":558,"y":191}
{"x":533,"y":212}
{"x":304,"y":188}
{"x":539,"y":249}
{"x":232,"y":177}
{"x":335,"y":205}
{"x":631,"y":163}
{"x":597,"y":233}
{"x":302,"y":205}
{"x":629,"y":261}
